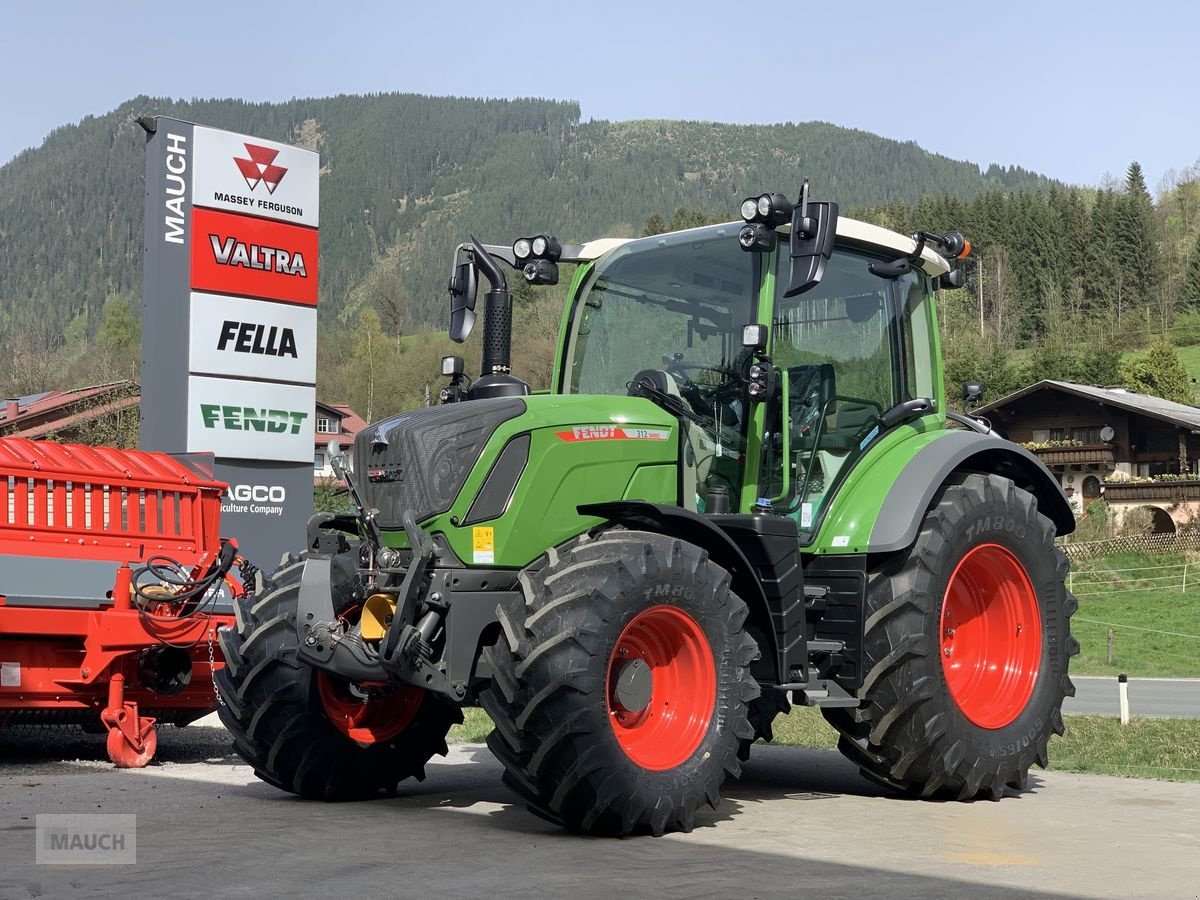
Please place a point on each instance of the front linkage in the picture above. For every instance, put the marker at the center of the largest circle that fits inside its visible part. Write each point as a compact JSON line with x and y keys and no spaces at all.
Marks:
{"x":414,"y":601}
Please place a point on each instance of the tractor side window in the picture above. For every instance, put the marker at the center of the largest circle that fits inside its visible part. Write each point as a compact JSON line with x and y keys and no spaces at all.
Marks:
{"x":837,"y":352}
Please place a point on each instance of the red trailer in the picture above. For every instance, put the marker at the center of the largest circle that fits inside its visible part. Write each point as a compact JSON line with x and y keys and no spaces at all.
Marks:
{"x":113,"y":583}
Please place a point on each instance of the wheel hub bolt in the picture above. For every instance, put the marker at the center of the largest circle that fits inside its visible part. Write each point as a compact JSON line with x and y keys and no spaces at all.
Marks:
{"x":947,"y":651}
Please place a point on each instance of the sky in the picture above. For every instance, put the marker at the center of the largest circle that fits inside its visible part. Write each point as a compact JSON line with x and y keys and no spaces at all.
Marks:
{"x":1070,"y":89}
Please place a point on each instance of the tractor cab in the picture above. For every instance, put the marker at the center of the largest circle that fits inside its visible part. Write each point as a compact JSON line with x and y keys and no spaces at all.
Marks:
{"x":664,"y":317}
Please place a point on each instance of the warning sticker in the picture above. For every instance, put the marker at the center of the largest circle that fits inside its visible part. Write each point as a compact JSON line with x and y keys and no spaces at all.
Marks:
{"x":10,"y":674}
{"x":484,"y":545}
{"x":613,"y":433}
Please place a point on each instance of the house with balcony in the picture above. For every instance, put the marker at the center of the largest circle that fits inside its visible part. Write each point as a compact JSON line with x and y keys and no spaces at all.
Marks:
{"x":333,"y":420}
{"x":1131,"y":450}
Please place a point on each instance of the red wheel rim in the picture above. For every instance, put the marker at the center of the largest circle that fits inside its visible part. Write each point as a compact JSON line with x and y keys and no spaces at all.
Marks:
{"x":991,"y":636}
{"x":380,"y":716}
{"x":683,"y":688}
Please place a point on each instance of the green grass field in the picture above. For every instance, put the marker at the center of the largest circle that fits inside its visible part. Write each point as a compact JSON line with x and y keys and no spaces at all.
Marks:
{"x":1155,"y":624}
{"x":1166,"y":749}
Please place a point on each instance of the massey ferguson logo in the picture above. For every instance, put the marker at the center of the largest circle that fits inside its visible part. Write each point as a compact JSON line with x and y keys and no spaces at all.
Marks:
{"x":260,"y":167}
{"x":232,"y":252}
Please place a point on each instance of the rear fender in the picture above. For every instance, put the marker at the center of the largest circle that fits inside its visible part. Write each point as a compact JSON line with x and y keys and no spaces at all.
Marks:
{"x":913,"y":493}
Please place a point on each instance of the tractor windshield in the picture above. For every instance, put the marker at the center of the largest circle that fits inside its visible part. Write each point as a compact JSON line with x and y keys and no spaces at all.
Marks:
{"x":671,"y":308}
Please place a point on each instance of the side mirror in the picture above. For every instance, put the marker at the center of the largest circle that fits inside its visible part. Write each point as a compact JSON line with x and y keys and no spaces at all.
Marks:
{"x":972,"y":393}
{"x":953,"y":279}
{"x":814,"y":226}
{"x":464,"y":284}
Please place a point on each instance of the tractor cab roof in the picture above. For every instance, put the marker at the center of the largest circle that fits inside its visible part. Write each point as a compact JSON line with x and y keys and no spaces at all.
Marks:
{"x":851,"y":231}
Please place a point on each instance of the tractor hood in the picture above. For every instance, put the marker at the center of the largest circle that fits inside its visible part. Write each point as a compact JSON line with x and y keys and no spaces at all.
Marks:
{"x":419,"y":460}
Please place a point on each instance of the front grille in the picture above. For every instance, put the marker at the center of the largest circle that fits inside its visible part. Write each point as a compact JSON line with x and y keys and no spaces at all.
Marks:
{"x":419,"y":460}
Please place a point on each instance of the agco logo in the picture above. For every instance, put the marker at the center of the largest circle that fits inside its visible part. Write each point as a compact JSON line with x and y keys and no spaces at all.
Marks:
{"x":260,"y":167}
{"x":258,"y":493}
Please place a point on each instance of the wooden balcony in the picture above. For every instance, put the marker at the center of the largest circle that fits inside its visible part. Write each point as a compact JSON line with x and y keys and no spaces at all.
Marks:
{"x":1139,"y":492}
{"x":1085,"y":454}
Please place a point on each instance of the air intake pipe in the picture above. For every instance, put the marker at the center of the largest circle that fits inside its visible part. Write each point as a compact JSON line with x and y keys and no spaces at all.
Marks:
{"x":495,"y":371}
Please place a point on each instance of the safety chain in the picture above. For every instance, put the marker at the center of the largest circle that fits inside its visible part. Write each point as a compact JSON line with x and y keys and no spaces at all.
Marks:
{"x":212,"y":665}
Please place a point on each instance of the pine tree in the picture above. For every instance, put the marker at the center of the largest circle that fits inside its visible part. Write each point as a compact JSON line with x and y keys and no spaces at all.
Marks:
{"x":1137,"y":237}
{"x":1159,"y":373}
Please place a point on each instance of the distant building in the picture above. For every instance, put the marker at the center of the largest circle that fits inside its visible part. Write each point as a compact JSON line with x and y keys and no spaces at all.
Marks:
{"x":1130,"y":449}
{"x":80,"y":415}
{"x":333,"y":420}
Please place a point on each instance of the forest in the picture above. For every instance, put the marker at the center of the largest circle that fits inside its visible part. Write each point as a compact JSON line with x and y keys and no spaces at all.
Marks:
{"x":1063,"y":279}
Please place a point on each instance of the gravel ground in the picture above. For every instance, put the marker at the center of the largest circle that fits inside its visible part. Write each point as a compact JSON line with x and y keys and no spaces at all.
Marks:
{"x":801,"y":822}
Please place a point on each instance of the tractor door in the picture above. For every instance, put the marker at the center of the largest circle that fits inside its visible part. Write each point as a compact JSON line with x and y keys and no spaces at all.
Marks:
{"x":847,"y":351}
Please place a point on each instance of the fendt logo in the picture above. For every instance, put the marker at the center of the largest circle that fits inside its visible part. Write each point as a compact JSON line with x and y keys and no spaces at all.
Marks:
{"x":258,"y":493}
{"x":251,"y":418}
{"x":260,"y":168}
{"x":248,"y":337}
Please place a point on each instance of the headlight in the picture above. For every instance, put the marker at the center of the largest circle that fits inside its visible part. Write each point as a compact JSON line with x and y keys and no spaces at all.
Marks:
{"x":522,"y":248}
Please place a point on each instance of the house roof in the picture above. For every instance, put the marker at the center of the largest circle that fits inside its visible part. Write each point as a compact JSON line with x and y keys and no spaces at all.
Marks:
{"x":1179,"y":414}
{"x":41,"y":414}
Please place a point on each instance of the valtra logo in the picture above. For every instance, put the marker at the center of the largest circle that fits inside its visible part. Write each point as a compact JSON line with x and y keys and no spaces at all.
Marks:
{"x":260,"y":167}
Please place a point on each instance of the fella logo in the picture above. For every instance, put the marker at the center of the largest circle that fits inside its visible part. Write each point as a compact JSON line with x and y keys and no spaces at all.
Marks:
{"x":247,"y":337}
{"x":260,"y":168}
{"x":251,"y":257}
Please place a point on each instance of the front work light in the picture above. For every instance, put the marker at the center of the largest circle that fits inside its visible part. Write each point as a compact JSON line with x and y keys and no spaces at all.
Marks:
{"x":755,"y":237}
{"x":522,"y":248}
{"x":546,"y":247}
{"x":541,"y":271}
{"x":452,"y":365}
{"x":754,"y":336}
{"x":770,"y":209}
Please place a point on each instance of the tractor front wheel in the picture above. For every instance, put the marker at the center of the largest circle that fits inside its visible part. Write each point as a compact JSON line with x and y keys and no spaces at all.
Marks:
{"x":620,"y":689}
{"x":312,"y":733}
{"x":967,"y":641}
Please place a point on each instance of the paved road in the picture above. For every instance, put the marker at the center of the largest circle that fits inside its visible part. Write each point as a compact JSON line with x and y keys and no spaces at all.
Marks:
{"x":1159,"y":697}
{"x":801,"y":823}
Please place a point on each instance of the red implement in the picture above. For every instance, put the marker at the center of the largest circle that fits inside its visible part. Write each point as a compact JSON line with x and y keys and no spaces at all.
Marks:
{"x":77,"y":642}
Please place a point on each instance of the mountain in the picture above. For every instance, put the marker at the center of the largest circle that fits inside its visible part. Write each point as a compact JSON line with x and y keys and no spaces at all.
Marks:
{"x":405,"y":178}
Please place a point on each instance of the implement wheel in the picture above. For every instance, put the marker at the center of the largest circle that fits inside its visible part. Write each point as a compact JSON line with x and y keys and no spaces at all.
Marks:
{"x":967,"y":642}
{"x":312,"y":733}
{"x":620,"y":690}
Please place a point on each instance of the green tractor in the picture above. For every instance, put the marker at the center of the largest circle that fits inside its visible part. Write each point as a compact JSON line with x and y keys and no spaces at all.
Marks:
{"x":744,"y":488}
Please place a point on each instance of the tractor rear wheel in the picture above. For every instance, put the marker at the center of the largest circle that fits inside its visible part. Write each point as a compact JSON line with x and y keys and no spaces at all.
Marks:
{"x":309,"y":732}
{"x":619,"y":690}
{"x":967,"y":641}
